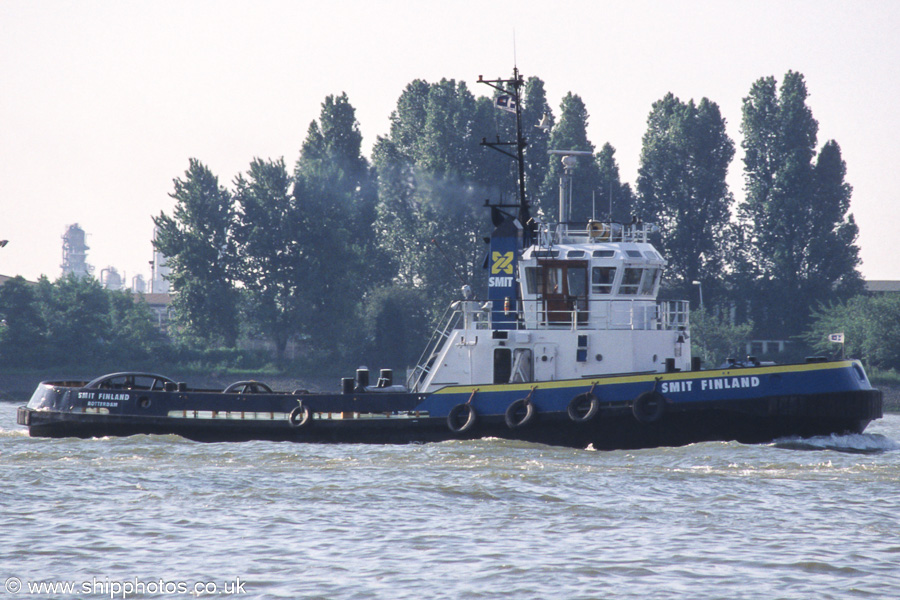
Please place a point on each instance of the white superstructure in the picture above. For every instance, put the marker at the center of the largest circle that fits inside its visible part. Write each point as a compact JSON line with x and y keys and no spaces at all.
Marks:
{"x":587,"y":306}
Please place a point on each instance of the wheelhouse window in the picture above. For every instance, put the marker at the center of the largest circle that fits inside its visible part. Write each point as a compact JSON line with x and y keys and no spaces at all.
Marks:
{"x":534,"y":281}
{"x":553,"y":278}
{"x":648,"y":282}
{"x":602,"y":279}
{"x":577,"y":278}
{"x":631,"y":281}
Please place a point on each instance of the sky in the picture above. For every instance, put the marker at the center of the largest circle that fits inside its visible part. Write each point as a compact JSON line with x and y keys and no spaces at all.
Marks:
{"x":103,"y":102}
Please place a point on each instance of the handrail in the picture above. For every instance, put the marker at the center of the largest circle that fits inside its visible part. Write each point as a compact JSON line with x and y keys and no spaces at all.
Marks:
{"x":423,"y":365}
{"x":595,"y":231}
{"x":631,"y":313}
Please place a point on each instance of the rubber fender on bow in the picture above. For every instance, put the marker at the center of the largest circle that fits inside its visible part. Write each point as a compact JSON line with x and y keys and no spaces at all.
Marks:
{"x":519,"y":413}
{"x":584,"y":407}
{"x":649,"y":407}
{"x":299,"y":417}
{"x":461,"y":418}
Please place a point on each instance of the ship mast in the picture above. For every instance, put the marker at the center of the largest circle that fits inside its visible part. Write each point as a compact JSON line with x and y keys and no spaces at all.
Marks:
{"x":510,"y":89}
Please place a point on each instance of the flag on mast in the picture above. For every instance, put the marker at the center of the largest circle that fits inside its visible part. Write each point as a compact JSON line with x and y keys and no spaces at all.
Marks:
{"x":837,"y":338}
{"x":506,"y":102}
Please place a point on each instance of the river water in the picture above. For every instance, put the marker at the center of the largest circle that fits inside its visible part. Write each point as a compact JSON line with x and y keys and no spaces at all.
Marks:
{"x":162,"y":517}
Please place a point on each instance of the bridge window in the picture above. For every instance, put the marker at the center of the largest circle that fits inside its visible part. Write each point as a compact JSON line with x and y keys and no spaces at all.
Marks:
{"x":577,"y":278}
{"x":648,"y":282}
{"x":534,"y":281}
{"x":631,"y":281}
{"x":602,"y":279}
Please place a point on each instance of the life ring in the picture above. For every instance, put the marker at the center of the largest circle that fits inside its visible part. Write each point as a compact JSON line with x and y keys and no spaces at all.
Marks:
{"x":598,"y":231}
{"x":519,"y":413}
{"x":584,"y":407}
{"x":300,"y":416}
{"x":455,"y":421}
{"x":649,"y":407}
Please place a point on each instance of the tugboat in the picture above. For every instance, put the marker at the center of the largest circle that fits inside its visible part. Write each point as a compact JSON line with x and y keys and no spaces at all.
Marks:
{"x":572,"y":348}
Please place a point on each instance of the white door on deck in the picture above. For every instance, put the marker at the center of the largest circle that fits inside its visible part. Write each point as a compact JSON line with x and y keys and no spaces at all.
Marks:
{"x":545,"y":362}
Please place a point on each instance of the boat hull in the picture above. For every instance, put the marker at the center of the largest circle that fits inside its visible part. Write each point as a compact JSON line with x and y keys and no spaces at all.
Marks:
{"x":751,"y":405}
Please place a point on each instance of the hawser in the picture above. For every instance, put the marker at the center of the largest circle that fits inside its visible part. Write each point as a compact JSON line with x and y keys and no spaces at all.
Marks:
{"x":572,"y":348}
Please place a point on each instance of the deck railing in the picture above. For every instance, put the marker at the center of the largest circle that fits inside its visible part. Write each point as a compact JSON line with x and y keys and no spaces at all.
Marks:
{"x":550,"y":234}
{"x":634,"y":315}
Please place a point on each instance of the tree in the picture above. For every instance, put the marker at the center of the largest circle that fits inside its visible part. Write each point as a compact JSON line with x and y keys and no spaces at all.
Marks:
{"x":716,"y":337}
{"x":272,"y":252}
{"x":799,"y":239}
{"x":537,"y":161}
{"x":22,"y":325}
{"x":432,"y":187}
{"x":397,"y":325}
{"x":681,"y":186}
{"x":871,"y":328}
{"x":76,"y":310}
{"x":335,"y":202}
{"x":614,"y":199}
{"x":197,"y":241}
{"x":570,"y":133}
{"x":133,"y":333}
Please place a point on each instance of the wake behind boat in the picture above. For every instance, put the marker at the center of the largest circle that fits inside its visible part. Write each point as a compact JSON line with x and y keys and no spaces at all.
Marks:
{"x":572,"y":348}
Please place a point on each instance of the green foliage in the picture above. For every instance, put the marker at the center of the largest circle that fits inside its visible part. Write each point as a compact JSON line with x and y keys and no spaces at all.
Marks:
{"x":198,"y":243}
{"x":871,"y":328}
{"x":22,"y":325}
{"x":537,"y":161}
{"x":570,"y":133}
{"x":397,"y":324}
{"x":74,"y":321}
{"x":269,"y":234}
{"x":715,"y":337}
{"x":337,"y":257}
{"x":682,"y":188}
{"x":799,"y":242}
{"x":433,"y":178}
{"x":614,"y":199}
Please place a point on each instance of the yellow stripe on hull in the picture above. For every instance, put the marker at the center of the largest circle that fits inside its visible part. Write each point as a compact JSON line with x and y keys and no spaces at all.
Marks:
{"x":648,"y":377}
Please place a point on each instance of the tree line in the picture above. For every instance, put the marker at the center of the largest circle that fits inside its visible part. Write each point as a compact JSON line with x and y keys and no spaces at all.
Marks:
{"x":355,"y":257}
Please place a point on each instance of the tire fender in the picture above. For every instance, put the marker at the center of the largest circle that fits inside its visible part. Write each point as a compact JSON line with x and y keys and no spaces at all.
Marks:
{"x":455,"y":421}
{"x":649,"y":407}
{"x":299,"y":417}
{"x":514,"y":416}
{"x":583,"y":407}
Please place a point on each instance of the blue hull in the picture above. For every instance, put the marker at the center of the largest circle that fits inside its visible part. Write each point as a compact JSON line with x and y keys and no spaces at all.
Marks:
{"x":750,"y":405}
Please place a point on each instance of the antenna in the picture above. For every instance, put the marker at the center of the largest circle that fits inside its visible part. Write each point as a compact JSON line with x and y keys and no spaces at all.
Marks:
{"x":610,"y":200}
{"x":515,"y":58}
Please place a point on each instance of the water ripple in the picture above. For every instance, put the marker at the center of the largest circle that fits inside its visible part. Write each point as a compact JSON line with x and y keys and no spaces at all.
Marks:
{"x":477,"y":519}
